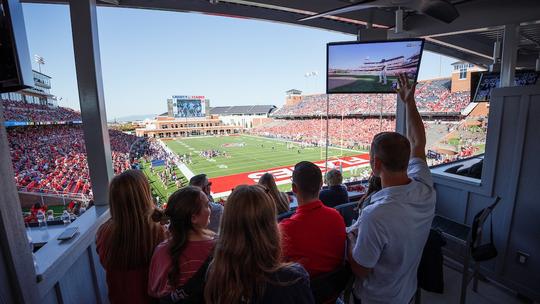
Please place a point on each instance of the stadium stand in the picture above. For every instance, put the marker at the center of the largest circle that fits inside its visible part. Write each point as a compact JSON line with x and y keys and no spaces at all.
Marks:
{"x":433,"y":96}
{"x":52,"y":158}
{"x":24,"y":112}
{"x":354,"y":132}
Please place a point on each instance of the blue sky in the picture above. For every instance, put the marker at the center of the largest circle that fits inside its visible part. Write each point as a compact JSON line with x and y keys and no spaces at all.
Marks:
{"x":148,"y":56}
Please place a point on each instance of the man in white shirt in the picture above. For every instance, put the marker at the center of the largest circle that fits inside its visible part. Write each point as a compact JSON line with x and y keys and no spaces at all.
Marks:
{"x":385,"y":250}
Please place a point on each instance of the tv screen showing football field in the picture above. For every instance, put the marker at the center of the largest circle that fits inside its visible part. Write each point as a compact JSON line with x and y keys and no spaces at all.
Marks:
{"x":371,"y":67}
{"x":185,"y":107}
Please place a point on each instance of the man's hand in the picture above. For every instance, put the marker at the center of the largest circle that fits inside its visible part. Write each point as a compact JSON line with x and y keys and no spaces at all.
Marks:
{"x":415,"y":127}
{"x":405,"y":89}
{"x":351,"y":240}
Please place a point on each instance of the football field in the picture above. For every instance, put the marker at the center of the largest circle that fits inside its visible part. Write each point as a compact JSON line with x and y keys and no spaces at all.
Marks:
{"x":247,"y":157}
{"x":364,"y":83}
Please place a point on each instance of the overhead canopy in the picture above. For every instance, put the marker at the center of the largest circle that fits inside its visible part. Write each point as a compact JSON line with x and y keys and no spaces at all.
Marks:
{"x":470,"y":37}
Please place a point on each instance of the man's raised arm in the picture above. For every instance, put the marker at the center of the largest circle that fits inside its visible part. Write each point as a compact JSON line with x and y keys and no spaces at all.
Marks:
{"x":415,"y":127}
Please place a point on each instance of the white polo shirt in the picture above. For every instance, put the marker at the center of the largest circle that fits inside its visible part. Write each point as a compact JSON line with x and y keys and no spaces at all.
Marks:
{"x":392,"y":233}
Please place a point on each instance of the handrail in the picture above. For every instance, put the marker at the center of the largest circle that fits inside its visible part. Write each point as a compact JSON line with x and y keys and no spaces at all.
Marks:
{"x":50,"y":193}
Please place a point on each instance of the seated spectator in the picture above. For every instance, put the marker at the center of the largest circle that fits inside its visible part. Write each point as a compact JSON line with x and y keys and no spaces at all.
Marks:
{"x":50,"y":215}
{"x":336,"y":193}
{"x":315,"y":235}
{"x":176,"y":260}
{"x":247,"y":266}
{"x":281,"y":199}
{"x":385,"y":250}
{"x":125,"y":242}
{"x":32,"y":217}
{"x":202,"y":182}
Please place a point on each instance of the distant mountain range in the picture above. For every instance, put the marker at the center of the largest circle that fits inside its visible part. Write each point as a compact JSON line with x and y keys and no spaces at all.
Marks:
{"x":133,"y":118}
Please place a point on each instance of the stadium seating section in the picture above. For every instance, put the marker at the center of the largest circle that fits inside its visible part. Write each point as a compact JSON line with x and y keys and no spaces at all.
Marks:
{"x":24,"y":112}
{"x":355,"y":132}
{"x":432,"y":96}
{"x":53,"y":158}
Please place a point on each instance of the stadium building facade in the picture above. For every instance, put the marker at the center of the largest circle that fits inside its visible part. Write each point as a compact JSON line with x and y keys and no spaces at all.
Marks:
{"x":461,"y":76}
{"x":187,"y":116}
{"x":244,"y":116}
{"x":170,"y":127}
{"x":39,"y":94}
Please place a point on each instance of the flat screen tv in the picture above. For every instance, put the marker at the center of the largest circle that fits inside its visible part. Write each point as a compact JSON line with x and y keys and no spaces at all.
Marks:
{"x":371,"y":67}
{"x":489,"y":81}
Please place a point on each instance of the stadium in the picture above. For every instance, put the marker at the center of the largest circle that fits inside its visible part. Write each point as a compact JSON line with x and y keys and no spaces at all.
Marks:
{"x":480,"y":138}
{"x":294,"y":132}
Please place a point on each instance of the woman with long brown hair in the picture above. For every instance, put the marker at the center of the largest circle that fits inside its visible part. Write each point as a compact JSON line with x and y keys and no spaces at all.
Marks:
{"x":176,"y":261}
{"x":126,"y":242}
{"x":247,"y":265}
{"x":281,"y":199}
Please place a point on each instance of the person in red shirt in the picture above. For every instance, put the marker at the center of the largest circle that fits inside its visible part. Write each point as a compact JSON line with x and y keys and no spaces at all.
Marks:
{"x":315,"y":235}
{"x":178,"y":258}
{"x":126,"y":242}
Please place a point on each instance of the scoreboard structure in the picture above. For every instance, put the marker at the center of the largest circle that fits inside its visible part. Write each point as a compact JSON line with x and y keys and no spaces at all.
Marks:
{"x":184,"y":106}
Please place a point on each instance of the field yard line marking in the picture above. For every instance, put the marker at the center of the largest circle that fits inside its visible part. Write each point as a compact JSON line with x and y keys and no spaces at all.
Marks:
{"x":183,"y":168}
{"x":253,"y":156}
{"x":210,"y":168}
{"x":249,"y":169}
{"x":281,"y":140}
{"x":295,"y":142}
{"x":280,"y":158}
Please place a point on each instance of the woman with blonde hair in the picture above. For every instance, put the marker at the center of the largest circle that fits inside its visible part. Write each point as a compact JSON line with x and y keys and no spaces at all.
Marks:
{"x":247,"y":265}
{"x":126,"y":242}
{"x":179,"y":263}
{"x":281,"y":199}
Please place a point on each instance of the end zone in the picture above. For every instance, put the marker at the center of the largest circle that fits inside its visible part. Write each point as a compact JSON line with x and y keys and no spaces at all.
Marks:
{"x":223,"y":185}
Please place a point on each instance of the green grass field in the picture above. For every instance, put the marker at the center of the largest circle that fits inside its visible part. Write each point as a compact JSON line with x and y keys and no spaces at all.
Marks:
{"x":163,"y":191}
{"x":255,"y":154}
{"x":366,"y":83}
{"x":251,"y":157}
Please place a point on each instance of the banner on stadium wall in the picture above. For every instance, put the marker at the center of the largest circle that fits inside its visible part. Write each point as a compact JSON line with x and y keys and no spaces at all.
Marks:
{"x":158,"y":162}
{"x":282,"y":175}
{"x":39,"y":123}
{"x":15,"y":123}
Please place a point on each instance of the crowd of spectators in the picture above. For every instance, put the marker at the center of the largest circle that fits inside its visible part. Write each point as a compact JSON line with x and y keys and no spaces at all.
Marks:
{"x":211,"y":153}
{"x":150,"y":149}
{"x":53,"y":158}
{"x":25,"y":112}
{"x":431,"y":96}
{"x":348,"y":132}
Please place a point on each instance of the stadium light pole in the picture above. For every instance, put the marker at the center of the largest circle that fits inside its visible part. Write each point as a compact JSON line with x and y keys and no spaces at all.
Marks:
{"x":311,"y":75}
{"x":327,"y":140}
{"x":39,"y":60}
{"x":320,"y":136}
{"x":342,"y":115}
